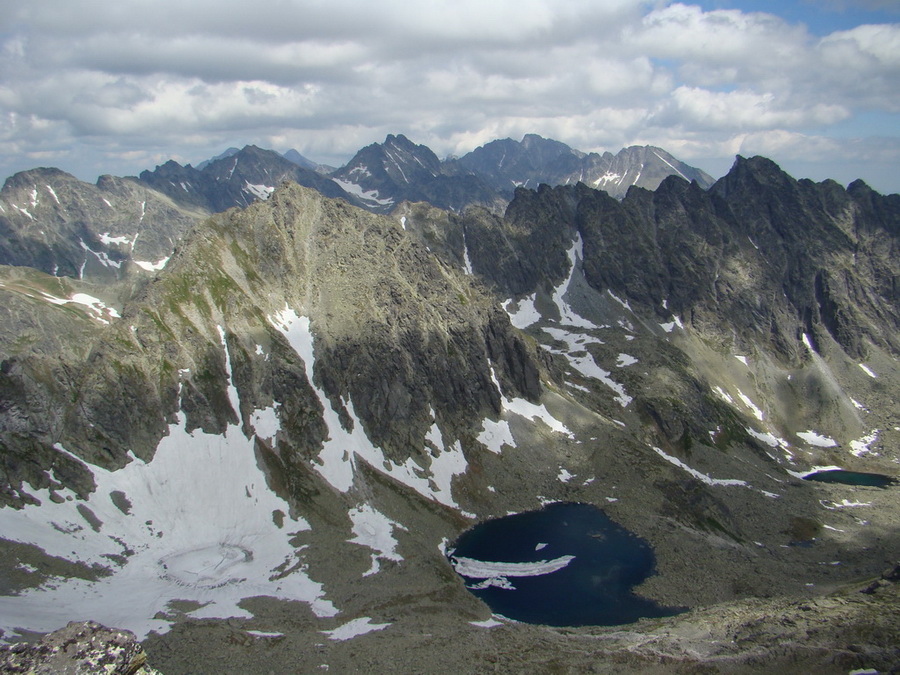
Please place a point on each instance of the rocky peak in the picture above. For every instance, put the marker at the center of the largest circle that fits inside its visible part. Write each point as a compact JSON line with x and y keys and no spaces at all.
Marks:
{"x":385,"y":174}
{"x":508,"y":164}
{"x":62,"y":226}
{"x":234,"y":179}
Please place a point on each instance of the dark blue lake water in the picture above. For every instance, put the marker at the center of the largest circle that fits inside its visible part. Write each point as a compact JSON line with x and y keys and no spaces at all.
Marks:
{"x":851,"y":478}
{"x":592,"y":588}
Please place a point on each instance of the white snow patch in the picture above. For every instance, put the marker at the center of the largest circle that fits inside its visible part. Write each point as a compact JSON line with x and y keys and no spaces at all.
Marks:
{"x":494,"y":435}
{"x":199,"y":527}
{"x":606,"y":178}
{"x":23,"y":211}
{"x":696,"y":474}
{"x":813,"y":438}
{"x":354,"y":628}
{"x":52,"y":193}
{"x":540,"y":546}
{"x":672,"y":167}
{"x":724,"y":395}
{"x":742,"y":359}
{"x":771,"y":440}
{"x":815,"y":469}
{"x":264,"y":634}
{"x":624,"y":303}
{"x":625,"y":360}
{"x":445,"y":467}
{"x":265,"y":422}
{"x":860,"y":447}
{"x":564,"y":476}
{"x":532,"y":411}
{"x":107,"y":239}
{"x":101,"y":256}
{"x":567,"y":315}
{"x":151,"y":266}
{"x":97,"y":308}
{"x":843,"y":504}
{"x":487,"y":623}
{"x":808,"y":343}
{"x":585,"y":363}
{"x":369,"y":196}
{"x":262,"y":192}
{"x":374,"y":530}
{"x":868,"y":371}
{"x":757,"y":413}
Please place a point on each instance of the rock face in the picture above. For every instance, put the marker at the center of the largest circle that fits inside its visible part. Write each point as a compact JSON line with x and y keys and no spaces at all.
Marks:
{"x":397,"y":333}
{"x":760,"y":254}
{"x":385,"y":174}
{"x":79,"y":649}
{"x":55,"y":223}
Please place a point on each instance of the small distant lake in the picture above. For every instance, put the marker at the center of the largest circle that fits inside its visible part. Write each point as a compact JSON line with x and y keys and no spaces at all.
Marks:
{"x":851,"y":478}
{"x":568,"y":564}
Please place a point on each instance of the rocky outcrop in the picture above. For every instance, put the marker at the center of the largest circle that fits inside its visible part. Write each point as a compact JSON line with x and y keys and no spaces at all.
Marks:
{"x":79,"y":649}
{"x":399,"y":336}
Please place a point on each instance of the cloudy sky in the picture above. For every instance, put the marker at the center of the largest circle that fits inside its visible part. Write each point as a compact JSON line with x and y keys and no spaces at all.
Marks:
{"x":103,"y":86}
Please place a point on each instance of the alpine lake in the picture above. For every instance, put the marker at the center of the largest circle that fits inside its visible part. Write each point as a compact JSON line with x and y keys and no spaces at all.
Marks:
{"x":851,"y":478}
{"x":567,"y":564}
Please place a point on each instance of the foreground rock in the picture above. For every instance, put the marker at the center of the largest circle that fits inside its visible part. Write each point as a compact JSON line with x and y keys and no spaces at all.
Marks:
{"x":78,"y":648}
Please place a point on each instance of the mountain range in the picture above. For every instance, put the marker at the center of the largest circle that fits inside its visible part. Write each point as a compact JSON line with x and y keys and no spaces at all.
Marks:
{"x":247,"y":423}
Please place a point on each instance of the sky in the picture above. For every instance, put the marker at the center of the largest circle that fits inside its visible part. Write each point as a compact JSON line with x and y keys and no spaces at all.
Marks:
{"x":103,"y":86}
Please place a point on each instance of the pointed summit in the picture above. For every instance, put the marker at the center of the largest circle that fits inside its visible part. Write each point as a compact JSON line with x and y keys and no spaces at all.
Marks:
{"x":384,"y":174}
{"x":508,"y":164}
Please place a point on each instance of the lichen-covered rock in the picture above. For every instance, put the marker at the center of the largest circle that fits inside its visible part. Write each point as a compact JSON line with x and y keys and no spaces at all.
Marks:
{"x":81,"y":648}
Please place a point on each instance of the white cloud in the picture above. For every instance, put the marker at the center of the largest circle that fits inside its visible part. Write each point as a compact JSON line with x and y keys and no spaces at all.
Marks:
{"x":738,"y":110}
{"x":102,"y":81}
